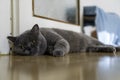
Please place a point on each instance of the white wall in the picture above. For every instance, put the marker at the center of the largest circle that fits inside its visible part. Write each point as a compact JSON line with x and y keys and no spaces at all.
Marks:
{"x":5,"y":26}
{"x":26,"y":19}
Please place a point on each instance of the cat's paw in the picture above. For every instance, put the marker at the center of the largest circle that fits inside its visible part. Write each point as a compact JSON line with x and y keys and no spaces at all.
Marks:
{"x":58,"y":53}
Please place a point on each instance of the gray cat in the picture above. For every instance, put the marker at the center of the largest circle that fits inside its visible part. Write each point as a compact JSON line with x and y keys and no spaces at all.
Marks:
{"x":56,"y":42}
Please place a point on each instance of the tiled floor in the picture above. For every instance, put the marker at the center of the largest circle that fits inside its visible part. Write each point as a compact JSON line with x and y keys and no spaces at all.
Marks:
{"x":93,"y":66}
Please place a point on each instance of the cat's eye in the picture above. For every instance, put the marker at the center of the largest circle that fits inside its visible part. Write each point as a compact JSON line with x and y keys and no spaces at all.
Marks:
{"x":33,"y":41}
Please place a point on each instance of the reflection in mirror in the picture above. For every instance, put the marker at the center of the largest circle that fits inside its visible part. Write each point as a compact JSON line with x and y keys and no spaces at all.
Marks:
{"x":66,"y":11}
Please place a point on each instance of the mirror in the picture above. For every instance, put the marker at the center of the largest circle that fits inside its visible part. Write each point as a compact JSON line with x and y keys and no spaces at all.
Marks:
{"x":66,"y":11}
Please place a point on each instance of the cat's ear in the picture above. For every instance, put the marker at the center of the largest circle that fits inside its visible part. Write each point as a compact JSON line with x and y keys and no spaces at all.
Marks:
{"x":35,"y":29}
{"x":11,"y":38}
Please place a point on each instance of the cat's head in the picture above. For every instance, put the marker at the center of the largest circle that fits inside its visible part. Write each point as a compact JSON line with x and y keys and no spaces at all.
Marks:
{"x":27,"y":43}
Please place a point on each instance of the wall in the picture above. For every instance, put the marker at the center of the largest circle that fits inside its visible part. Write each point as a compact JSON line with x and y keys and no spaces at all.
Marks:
{"x":26,"y":19}
{"x":5,"y":26}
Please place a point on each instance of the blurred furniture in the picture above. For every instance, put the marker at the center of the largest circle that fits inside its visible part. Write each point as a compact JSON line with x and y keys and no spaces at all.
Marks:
{"x":89,"y":14}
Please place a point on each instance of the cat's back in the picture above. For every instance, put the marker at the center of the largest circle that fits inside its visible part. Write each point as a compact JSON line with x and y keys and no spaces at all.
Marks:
{"x":64,"y":33}
{"x":75,"y":39}
{"x":68,"y":35}
{"x":78,"y":41}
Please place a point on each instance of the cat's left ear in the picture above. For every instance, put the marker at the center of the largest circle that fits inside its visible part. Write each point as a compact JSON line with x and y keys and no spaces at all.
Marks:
{"x":35,"y":29}
{"x":11,"y":38}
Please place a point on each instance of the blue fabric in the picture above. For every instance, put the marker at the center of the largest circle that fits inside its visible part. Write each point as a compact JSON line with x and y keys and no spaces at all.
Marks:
{"x":108,"y":27}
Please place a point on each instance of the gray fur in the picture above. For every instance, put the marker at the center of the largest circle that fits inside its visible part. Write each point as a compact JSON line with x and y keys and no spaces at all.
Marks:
{"x":56,"y":42}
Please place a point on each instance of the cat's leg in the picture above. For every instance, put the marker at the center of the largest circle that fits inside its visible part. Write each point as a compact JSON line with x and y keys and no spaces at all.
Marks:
{"x":100,"y":48}
{"x":61,"y":48}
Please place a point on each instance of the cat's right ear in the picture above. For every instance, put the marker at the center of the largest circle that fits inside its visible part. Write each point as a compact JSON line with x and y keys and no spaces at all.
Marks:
{"x":11,"y":38}
{"x":35,"y":29}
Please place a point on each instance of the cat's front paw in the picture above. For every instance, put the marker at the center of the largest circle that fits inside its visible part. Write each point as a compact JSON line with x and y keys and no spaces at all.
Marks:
{"x":58,"y":53}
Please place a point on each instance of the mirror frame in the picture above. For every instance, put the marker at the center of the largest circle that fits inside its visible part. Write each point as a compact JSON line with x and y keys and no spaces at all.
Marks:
{"x":78,"y":14}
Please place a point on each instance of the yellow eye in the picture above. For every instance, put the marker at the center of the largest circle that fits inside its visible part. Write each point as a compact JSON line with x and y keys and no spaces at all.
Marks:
{"x":33,"y":41}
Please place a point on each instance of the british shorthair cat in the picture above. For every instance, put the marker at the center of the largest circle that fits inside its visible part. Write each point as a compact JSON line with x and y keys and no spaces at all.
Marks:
{"x":55,"y":42}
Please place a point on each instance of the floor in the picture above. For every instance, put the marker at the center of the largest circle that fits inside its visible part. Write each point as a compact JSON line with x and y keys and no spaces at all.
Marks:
{"x":84,"y":66}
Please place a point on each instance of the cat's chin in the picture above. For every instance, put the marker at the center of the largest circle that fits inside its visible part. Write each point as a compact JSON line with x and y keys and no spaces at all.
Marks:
{"x":20,"y":54}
